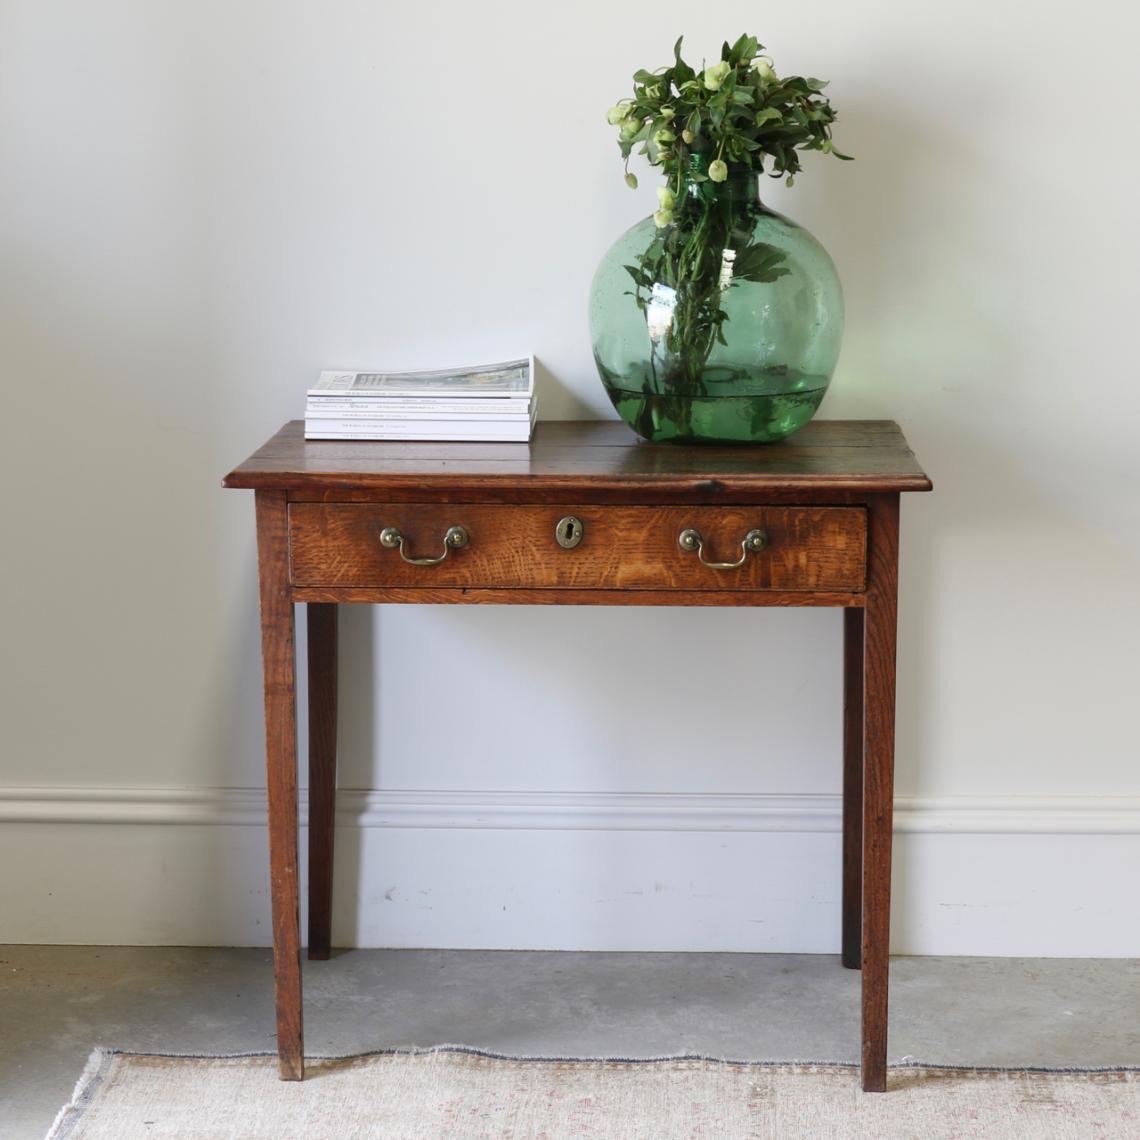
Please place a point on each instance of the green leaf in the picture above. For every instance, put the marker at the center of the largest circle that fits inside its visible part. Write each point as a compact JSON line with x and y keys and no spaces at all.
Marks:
{"x":759,"y":262}
{"x":767,"y":115}
{"x":682,"y":72}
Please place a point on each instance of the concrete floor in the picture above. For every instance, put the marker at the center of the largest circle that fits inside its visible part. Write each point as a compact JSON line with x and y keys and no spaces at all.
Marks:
{"x":58,"y":1002}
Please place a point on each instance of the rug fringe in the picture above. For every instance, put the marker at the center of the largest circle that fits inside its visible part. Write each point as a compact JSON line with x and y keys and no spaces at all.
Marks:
{"x":83,"y":1089}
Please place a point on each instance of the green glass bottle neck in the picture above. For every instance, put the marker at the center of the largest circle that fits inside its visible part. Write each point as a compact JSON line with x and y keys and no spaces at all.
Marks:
{"x":740,"y":186}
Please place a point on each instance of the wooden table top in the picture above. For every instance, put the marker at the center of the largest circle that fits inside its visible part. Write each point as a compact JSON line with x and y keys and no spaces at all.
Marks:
{"x":587,"y":460}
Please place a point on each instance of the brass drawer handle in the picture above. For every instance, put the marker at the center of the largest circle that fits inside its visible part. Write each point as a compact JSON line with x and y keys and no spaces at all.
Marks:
{"x":753,"y":542}
{"x":392,"y":538}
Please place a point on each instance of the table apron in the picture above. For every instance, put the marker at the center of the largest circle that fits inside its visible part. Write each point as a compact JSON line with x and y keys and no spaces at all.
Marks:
{"x":522,"y":596}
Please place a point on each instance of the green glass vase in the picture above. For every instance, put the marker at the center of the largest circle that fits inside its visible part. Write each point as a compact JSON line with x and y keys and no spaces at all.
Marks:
{"x":722,"y":325}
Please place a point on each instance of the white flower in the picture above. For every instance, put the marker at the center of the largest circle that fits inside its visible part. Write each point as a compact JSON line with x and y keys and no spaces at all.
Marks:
{"x":617,"y":113}
{"x":665,"y":197}
{"x":662,"y":218}
{"x":667,"y":113}
{"x":718,"y":171}
{"x":629,"y":128}
{"x":631,"y":179}
{"x":688,"y":135}
{"x":763,"y":68}
{"x":717,"y":74}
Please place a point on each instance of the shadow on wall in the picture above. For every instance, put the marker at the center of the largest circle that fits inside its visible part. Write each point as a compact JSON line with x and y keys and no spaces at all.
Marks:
{"x":1017,"y":575}
{"x":356,"y":726}
{"x":557,"y":401}
{"x":589,"y":700}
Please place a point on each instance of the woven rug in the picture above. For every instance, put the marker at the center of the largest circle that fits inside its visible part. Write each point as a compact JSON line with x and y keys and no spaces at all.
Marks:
{"x":455,"y":1093}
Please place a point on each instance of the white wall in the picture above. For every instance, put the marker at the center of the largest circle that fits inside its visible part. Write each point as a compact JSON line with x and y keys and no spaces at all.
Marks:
{"x":202,"y":204}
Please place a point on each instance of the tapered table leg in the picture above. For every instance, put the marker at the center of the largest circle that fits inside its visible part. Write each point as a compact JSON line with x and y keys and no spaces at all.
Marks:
{"x":278,"y":656}
{"x":321,"y":623}
{"x":852,"y":952}
{"x":878,"y":781}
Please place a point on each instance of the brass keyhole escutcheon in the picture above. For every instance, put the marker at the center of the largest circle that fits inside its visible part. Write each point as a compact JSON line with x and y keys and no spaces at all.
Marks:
{"x":569,"y":531}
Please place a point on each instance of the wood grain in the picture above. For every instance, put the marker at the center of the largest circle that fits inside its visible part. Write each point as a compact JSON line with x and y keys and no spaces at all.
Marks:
{"x":829,"y":498}
{"x":624,"y":548}
{"x":321,"y":621}
{"x":630,"y":496}
{"x":852,"y":918}
{"x":278,"y":657}
{"x":878,"y":781}
{"x":594,"y":462}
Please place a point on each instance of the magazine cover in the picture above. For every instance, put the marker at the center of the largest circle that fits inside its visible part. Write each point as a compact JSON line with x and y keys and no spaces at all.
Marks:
{"x":512,"y":379}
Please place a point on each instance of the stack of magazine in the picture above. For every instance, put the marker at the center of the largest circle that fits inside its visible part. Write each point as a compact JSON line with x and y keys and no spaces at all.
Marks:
{"x":493,"y":402}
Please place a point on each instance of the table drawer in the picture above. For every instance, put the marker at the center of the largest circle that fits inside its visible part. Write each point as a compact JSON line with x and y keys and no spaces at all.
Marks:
{"x":638,"y":548}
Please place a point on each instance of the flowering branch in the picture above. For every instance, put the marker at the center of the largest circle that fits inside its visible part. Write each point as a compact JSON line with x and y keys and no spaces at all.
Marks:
{"x":737,"y":112}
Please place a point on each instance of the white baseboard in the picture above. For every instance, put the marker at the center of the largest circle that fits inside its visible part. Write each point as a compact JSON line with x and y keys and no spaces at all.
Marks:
{"x":1034,"y":876}
{"x":579,"y":811}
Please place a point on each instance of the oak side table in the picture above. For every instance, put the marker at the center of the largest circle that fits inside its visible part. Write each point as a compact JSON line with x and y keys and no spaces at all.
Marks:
{"x":584,"y":514}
